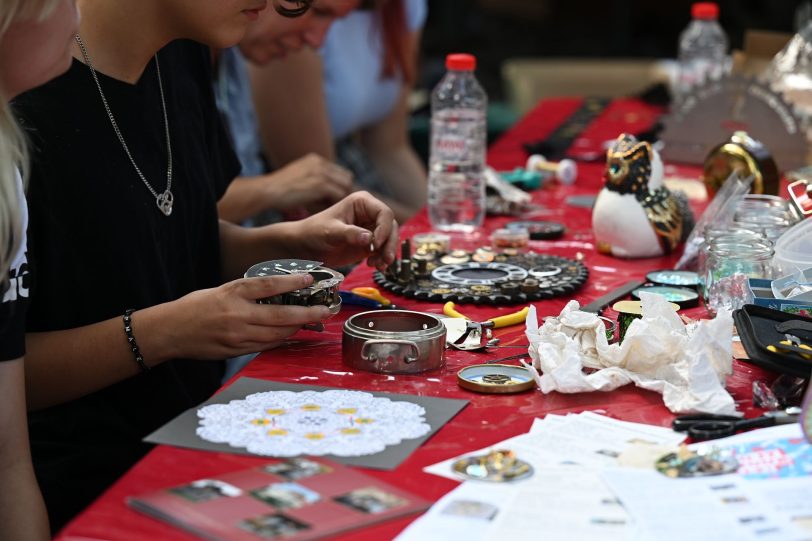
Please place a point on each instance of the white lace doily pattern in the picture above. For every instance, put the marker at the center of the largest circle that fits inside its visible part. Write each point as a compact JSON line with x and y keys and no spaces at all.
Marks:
{"x":336,"y":422}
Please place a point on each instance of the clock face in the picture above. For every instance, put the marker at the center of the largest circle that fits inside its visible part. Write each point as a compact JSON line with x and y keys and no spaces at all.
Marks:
{"x":710,"y":114}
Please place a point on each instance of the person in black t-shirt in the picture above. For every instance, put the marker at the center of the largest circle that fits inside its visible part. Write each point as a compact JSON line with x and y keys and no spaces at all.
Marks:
{"x":34,"y":39}
{"x":114,"y":229}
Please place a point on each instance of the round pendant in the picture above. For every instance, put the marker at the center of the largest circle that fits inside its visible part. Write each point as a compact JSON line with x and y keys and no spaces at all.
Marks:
{"x":164,"y":202}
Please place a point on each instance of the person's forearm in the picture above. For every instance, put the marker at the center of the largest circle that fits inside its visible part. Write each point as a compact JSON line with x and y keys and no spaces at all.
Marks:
{"x":405,"y":177}
{"x":22,"y":513}
{"x":242,"y":247}
{"x":246,"y":197}
{"x":68,"y":364}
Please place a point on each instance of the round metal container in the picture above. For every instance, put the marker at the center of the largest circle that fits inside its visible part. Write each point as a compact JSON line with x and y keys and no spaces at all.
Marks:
{"x":394,"y":342}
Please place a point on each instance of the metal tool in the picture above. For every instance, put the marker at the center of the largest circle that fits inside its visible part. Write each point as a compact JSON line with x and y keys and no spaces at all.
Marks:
{"x":793,"y":344}
{"x":710,"y":427}
{"x":467,"y":335}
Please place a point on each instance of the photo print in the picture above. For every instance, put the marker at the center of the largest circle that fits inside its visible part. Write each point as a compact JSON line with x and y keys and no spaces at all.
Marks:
{"x":273,"y":526}
{"x":297,"y":468}
{"x":204,"y":490}
{"x":371,"y":500}
{"x":286,"y":495}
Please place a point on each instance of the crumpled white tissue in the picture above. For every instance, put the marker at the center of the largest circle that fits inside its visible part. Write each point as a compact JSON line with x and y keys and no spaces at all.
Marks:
{"x":687,"y":365}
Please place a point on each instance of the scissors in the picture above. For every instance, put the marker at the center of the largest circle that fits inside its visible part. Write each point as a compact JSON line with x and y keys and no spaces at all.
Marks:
{"x":710,"y":427}
{"x":467,"y":335}
{"x":368,"y":297}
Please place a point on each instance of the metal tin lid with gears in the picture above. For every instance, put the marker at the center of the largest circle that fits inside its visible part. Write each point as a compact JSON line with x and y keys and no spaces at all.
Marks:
{"x":482,"y":277}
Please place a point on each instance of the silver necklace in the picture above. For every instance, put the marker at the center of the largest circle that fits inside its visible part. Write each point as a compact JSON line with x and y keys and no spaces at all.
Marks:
{"x":163,"y":200}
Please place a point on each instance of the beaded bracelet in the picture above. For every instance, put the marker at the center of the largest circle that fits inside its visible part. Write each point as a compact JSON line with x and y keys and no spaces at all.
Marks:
{"x":128,"y":330}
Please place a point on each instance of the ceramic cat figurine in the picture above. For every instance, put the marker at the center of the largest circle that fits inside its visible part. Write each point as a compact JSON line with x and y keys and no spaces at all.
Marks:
{"x":635,"y":215}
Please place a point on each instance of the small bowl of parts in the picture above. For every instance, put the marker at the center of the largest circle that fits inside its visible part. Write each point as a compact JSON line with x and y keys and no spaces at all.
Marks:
{"x":510,"y":238}
{"x":495,"y":378}
{"x":394,"y":342}
{"x":432,"y":243}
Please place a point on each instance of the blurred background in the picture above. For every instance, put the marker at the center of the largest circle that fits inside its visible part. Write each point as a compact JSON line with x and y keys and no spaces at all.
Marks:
{"x":517,"y":41}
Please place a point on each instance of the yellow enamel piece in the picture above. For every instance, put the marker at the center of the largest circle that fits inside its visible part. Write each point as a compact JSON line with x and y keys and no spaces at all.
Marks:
{"x":314,"y":436}
{"x":311,"y":407}
{"x":260,"y":422}
{"x":350,"y":431}
{"x":277,"y":432}
{"x":346,"y":411}
{"x":275,"y":411}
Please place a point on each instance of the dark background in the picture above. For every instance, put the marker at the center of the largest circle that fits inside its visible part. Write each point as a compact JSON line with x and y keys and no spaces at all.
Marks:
{"x":495,"y":30}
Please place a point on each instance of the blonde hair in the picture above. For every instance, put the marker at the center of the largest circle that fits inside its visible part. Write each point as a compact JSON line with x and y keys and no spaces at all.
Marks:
{"x":13,"y":155}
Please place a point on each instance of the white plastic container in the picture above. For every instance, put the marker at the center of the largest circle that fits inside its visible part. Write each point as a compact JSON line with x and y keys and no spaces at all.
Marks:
{"x":793,"y":250}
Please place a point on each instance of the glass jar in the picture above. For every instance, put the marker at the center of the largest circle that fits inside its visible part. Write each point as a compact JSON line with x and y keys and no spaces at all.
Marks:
{"x":729,"y":266}
{"x":721,"y":234}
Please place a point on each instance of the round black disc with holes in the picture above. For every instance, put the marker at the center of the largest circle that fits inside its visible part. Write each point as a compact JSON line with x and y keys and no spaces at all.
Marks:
{"x":508,"y":279}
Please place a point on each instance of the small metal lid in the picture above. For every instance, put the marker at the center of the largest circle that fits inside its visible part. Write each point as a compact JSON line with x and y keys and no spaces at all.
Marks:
{"x":495,"y":378}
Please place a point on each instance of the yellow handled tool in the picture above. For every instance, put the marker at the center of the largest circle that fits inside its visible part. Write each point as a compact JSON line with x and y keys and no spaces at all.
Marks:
{"x":371,"y":293}
{"x":507,"y":320}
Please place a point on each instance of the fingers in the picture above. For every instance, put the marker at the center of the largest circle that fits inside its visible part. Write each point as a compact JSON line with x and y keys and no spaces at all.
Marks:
{"x":332,"y":192}
{"x":268,"y":286}
{"x":386,"y":254}
{"x":274,"y":315}
{"x":341,"y":177}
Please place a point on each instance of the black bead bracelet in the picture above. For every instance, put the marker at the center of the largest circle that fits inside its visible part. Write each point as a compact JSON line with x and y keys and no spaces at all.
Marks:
{"x":128,"y":329}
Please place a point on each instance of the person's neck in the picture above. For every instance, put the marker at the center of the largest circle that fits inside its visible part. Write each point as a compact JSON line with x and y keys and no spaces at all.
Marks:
{"x":121,"y":37}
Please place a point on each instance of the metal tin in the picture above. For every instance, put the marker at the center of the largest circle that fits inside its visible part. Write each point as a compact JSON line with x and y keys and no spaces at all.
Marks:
{"x":394,"y":342}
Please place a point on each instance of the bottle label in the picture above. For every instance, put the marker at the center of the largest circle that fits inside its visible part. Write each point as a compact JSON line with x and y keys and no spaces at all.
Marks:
{"x":458,"y":137}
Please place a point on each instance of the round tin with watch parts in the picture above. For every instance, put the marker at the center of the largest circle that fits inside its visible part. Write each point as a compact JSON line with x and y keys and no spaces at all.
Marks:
{"x":495,"y":378}
{"x":499,"y":466}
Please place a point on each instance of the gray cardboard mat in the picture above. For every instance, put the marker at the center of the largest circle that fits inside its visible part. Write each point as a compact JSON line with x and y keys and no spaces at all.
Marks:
{"x":181,"y":431}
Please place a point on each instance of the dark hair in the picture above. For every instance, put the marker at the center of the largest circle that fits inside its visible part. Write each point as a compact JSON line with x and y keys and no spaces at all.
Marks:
{"x":300,"y":7}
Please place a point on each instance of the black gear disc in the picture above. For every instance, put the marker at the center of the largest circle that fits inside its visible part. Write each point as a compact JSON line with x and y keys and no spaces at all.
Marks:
{"x":509,"y":279}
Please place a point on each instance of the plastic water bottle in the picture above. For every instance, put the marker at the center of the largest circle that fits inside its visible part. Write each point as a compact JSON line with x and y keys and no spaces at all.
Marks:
{"x":702,"y":48}
{"x":456,"y":195}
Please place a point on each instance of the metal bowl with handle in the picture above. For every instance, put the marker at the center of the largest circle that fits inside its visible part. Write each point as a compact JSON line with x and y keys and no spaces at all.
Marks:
{"x":394,"y":342}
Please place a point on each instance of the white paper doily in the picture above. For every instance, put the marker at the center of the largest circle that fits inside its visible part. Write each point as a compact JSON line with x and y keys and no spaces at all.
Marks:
{"x":336,"y":422}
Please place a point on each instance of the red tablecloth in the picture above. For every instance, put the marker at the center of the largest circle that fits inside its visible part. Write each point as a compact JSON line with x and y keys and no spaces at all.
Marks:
{"x":316,"y":358}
